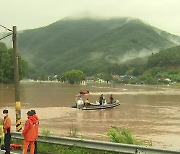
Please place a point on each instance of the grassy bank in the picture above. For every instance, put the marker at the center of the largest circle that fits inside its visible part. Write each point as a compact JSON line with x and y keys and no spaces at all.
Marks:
{"x":115,"y":135}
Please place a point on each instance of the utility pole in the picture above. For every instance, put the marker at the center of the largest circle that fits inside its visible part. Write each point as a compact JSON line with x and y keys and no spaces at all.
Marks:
{"x":16,"y":81}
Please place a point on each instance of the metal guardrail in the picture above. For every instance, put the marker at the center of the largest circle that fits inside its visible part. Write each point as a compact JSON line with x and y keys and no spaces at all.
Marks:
{"x":99,"y":145}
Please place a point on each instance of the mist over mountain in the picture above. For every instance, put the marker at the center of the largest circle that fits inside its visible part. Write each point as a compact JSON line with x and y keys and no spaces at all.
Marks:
{"x":91,"y":45}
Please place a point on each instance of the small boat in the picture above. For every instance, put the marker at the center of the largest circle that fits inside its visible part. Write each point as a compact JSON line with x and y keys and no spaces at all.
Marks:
{"x":84,"y":92}
{"x":95,"y":106}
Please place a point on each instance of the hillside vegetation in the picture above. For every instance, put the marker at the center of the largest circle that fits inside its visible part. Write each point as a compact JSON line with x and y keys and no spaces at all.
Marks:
{"x":91,"y":45}
{"x":165,"y":58}
{"x":158,"y":67}
{"x":7,"y":65}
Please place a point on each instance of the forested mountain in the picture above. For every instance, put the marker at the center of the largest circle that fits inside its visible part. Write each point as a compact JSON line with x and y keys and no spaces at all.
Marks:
{"x":91,"y":45}
{"x":166,"y":58}
{"x":163,"y":66}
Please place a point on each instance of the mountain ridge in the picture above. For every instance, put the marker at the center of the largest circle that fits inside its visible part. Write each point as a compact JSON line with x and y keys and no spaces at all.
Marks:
{"x":74,"y":44}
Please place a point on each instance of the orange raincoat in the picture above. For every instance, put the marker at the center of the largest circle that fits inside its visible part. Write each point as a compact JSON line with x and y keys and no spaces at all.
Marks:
{"x":7,"y":124}
{"x":30,"y":134}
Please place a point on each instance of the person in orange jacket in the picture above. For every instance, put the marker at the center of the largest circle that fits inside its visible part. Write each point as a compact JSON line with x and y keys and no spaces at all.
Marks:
{"x":37,"y":130}
{"x":29,"y":133}
{"x":7,"y":131}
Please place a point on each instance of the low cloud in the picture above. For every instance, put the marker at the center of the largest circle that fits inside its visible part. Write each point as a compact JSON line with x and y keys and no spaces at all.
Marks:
{"x":134,"y":54}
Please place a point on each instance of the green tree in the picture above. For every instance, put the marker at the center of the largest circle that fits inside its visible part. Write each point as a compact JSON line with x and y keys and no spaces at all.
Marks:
{"x":7,"y":65}
{"x":107,"y":77}
{"x":148,"y":78}
{"x":73,"y":76}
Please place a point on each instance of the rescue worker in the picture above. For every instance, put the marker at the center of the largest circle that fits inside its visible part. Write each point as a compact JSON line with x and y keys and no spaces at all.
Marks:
{"x":101,"y":99}
{"x":37,"y":128}
{"x":29,"y":133}
{"x":111,"y":99}
{"x":7,"y":131}
{"x":86,"y":102}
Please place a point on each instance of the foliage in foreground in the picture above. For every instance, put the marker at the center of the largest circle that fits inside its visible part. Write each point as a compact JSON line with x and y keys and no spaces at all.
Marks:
{"x":46,"y":132}
{"x":117,"y":136}
{"x":122,"y":136}
{"x":58,"y":149}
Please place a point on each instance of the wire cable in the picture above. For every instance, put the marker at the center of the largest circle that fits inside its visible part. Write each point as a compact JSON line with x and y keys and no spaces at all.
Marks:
{"x":6,"y":28}
{"x":6,"y":36}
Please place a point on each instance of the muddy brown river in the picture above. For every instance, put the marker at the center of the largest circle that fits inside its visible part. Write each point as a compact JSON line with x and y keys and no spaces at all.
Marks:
{"x":151,"y":113}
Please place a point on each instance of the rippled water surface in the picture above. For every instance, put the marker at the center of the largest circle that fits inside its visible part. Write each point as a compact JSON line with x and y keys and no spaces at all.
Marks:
{"x":149,"y":112}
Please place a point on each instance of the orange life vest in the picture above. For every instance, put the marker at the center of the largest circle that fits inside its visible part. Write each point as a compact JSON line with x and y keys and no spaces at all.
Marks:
{"x":7,"y":124}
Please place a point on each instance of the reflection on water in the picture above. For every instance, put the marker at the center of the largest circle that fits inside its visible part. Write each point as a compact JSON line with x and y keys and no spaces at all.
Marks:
{"x":149,"y":113}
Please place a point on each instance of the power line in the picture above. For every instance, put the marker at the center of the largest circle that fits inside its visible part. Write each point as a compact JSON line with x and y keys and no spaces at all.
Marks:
{"x":6,"y":28}
{"x":6,"y":36}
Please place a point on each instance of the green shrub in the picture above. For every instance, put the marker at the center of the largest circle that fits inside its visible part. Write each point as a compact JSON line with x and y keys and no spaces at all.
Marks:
{"x":122,"y":136}
{"x":46,"y":132}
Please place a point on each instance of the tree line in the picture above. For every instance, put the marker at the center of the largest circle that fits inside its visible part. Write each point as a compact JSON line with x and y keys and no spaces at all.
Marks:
{"x":150,"y":69}
{"x":7,"y":65}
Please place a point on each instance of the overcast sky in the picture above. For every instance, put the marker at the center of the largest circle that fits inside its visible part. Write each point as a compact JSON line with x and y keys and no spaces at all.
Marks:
{"x":28,"y":14}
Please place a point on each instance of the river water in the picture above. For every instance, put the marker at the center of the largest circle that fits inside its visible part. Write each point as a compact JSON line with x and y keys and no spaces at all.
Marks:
{"x":151,"y":113}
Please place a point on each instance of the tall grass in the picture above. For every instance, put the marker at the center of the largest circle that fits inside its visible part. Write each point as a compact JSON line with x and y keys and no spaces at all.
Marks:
{"x":123,"y":136}
{"x":73,"y":131}
{"x":46,"y":132}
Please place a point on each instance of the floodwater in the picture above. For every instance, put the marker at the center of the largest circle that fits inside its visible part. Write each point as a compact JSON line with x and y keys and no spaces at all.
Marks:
{"x":151,"y":113}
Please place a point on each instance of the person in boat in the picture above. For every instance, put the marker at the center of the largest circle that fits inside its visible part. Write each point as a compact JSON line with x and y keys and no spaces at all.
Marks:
{"x":101,"y":99}
{"x":111,"y":99}
{"x":104,"y":101}
{"x":79,"y":96}
{"x":86,"y":102}
{"x":79,"y":103}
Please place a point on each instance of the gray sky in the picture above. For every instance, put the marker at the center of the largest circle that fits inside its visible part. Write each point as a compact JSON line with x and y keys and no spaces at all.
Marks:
{"x":28,"y":14}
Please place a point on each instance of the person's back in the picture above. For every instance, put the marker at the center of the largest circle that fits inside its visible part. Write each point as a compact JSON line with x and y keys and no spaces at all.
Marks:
{"x":29,"y":133}
{"x":101,"y":99}
{"x":36,"y":129}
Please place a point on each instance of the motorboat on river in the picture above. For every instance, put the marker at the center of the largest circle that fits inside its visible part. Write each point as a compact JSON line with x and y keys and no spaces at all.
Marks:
{"x":96,"y":105}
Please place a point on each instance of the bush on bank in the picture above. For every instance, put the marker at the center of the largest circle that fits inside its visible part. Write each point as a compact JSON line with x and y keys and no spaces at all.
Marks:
{"x":123,"y":136}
